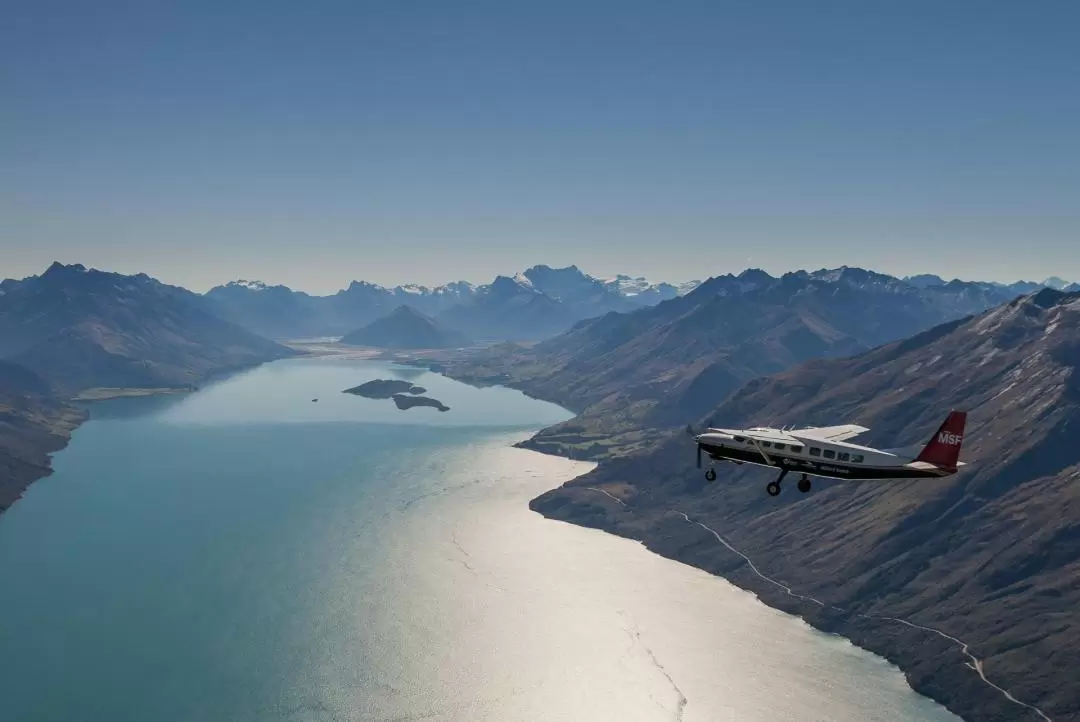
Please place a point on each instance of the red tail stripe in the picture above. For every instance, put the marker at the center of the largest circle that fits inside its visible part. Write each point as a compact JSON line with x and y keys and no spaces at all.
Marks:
{"x":943,"y":449}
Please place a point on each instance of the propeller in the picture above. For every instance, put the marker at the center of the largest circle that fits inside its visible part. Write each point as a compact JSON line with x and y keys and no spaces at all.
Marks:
{"x":690,"y":432}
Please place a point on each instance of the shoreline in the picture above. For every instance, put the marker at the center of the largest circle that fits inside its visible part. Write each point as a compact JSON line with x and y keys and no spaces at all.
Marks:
{"x":867,"y":633}
{"x":25,"y":472}
{"x":75,"y":411}
{"x":106,"y":393}
{"x":892,"y":639}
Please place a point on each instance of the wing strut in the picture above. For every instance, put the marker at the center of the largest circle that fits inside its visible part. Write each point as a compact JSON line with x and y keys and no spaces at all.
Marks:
{"x":761,"y":450}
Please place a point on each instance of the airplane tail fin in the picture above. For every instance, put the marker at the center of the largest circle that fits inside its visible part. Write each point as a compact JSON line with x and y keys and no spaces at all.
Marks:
{"x":943,"y":449}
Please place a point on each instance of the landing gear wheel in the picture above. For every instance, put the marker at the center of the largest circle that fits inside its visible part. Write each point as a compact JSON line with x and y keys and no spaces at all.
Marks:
{"x":804,"y":485}
{"x":773,"y":488}
{"x":710,"y":475}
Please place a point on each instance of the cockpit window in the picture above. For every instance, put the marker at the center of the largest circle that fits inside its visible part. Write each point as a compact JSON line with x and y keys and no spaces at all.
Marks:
{"x":766,"y":444}
{"x":796,"y":449}
{"x":740,"y":439}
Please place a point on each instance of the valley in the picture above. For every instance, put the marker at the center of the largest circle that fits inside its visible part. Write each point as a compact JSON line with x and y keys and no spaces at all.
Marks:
{"x":898,"y":568}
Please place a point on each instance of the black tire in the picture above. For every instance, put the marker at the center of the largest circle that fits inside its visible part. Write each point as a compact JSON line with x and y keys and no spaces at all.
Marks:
{"x":804,"y":485}
{"x":773,"y":488}
{"x":710,"y":475}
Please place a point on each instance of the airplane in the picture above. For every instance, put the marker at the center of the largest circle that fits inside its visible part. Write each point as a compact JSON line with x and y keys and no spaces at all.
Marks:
{"x":824,"y":452}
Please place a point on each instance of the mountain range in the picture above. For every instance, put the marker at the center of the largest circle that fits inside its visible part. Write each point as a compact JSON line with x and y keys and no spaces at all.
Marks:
{"x":80,"y":328}
{"x":538,"y":303}
{"x":990,"y":556}
{"x":632,"y":375}
{"x":925,"y":280}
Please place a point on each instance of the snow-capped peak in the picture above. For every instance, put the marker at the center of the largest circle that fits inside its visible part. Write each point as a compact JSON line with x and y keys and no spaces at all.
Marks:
{"x":457,"y":288}
{"x":1055,"y":283}
{"x":636,"y":285}
{"x":523,"y":280}
{"x":249,"y":285}
{"x":414,"y":289}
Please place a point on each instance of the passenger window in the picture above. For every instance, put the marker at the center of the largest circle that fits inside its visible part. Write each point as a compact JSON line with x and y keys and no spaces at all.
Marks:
{"x":830,"y":454}
{"x":843,"y":456}
{"x":815,"y":451}
{"x":857,"y":458}
{"x":766,"y":444}
{"x":796,"y":449}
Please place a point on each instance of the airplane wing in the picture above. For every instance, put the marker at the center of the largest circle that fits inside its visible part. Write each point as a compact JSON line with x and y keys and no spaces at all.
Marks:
{"x":833,"y":433}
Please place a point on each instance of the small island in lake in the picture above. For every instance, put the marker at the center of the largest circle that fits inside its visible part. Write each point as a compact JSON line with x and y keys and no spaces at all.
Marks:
{"x":407,"y":402}
{"x":404,"y":393}
{"x":382,"y":389}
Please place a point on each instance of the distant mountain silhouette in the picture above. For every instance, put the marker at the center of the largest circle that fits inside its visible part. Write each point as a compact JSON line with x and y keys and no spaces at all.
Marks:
{"x":924,"y":280}
{"x":510,"y":308}
{"x":585,"y":295}
{"x":271,"y":311}
{"x":568,"y":295}
{"x":990,"y":555}
{"x":80,"y":328}
{"x":1058,"y":284}
{"x":406,"y":328}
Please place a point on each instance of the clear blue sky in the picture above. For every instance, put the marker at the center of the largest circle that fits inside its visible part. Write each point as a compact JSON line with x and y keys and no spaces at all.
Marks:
{"x":311,"y":143}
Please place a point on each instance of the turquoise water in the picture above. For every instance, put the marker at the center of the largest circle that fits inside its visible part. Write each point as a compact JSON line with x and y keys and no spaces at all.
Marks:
{"x":245,"y":554}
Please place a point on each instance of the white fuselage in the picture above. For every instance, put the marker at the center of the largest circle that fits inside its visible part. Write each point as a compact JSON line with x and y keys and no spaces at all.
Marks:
{"x":805,"y":453}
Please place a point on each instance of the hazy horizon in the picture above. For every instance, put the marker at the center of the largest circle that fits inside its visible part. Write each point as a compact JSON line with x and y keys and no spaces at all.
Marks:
{"x":315,"y":144}
{"x":511,"y":272}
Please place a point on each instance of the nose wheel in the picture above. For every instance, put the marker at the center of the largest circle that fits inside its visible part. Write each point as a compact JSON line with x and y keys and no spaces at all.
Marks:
{"x":804,"y":484}
{"x":710,"y":475}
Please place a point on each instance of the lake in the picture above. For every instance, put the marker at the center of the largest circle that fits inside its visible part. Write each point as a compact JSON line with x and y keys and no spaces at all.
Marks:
{"x":244,"y":553}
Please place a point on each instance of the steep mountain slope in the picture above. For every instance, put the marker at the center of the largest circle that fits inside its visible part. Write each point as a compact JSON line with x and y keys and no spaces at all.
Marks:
{"x":33,"y":424}
{"x":80,"y":328}
{"x":990,"y":556}
{"x":406,"y":328}
{"x":628,"y":375}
